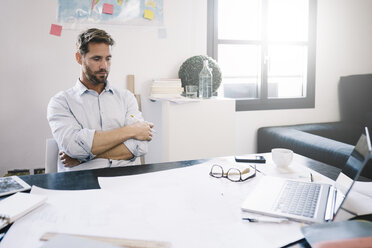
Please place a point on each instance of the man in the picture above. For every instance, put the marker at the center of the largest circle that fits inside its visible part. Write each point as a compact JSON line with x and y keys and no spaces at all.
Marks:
{"x":94,"y":124}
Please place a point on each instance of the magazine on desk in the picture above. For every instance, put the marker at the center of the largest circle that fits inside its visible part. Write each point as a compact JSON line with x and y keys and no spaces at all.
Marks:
{"x":12,"y":184}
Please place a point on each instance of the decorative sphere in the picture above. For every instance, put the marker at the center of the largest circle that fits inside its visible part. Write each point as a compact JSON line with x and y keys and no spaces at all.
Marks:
{"x":190,"y":69}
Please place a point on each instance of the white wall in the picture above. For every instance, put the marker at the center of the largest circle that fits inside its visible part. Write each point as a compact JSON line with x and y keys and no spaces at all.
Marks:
{"x":35,"y":65}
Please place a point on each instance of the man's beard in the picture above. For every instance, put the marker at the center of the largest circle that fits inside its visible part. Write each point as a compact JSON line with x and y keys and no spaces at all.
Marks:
{"x":94,"y":79}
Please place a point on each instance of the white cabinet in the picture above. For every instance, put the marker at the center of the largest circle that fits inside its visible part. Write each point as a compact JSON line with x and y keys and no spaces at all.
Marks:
{"x":192,"y":130}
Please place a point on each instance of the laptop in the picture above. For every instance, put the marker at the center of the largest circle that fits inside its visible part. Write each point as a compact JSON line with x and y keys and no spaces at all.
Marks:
{"x":309,"y":202}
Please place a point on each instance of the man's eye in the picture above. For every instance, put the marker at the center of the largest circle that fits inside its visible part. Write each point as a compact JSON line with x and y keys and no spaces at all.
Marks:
{"x":108,"y":59}
{"x":96,"y":59}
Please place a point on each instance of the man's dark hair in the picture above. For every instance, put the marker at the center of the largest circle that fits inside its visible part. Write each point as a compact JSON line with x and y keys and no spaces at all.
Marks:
{"x":92,"y":35}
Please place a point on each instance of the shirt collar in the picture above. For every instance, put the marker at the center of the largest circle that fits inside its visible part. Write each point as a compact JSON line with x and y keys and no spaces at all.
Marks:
{"x":81,"y":88}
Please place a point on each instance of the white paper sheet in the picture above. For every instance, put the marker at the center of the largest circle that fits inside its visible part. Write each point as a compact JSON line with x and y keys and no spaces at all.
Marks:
{"x":364,"y":188}
{"x":183,"y":206}
{"x":69,"y":241}
{"x":189,"y":208}
{"x":295,"y":171}
{"x":89,"y":212}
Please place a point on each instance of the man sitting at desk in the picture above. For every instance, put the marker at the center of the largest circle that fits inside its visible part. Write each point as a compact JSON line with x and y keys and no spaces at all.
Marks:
{"x":95,"y":124}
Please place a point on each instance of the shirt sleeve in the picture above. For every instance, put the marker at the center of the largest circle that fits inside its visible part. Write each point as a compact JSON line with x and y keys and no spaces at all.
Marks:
{"x":71,"y":137}
{"x":137,"y":147}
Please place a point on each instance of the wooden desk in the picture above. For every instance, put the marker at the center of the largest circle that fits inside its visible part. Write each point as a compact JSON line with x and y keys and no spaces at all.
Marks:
{"x":87,"y":179}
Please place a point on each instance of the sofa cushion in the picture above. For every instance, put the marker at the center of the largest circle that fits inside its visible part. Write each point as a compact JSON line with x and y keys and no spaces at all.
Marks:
{"x":368,"y":121}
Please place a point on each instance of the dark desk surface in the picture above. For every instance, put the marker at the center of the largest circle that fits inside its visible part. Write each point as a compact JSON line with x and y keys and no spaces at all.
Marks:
{"x":88,"y":179}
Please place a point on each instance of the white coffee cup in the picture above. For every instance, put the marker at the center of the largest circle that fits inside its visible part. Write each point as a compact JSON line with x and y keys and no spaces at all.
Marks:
{"x":282,"y":157}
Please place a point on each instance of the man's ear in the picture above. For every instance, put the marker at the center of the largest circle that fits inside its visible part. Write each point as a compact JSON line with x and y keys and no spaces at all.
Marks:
{"x":78,"y":57}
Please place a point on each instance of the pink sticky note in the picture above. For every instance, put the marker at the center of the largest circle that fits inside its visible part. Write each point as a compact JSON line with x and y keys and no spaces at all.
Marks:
{"x":108,"y":8}
{"x":55,"y":30}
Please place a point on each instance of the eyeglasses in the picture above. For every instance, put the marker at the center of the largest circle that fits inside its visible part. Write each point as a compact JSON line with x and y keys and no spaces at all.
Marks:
{"x":233,"y":174}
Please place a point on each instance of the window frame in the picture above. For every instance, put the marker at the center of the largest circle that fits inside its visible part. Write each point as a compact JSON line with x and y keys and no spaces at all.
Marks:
{"x":263,"y":102}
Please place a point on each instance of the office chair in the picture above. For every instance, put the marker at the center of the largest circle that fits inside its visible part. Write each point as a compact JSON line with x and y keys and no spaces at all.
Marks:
{"x":51,"y":156}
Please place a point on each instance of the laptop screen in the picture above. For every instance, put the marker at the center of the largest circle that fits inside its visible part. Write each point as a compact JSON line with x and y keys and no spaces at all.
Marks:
{"x":353,"y":167}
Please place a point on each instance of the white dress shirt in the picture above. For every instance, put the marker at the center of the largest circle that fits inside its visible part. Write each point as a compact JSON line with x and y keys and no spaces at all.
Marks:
{"x":75,"y":114}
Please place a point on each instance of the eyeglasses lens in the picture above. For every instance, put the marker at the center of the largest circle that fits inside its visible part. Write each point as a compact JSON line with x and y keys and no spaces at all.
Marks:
{"x":217,"y":171}
{"x":234,"y":175}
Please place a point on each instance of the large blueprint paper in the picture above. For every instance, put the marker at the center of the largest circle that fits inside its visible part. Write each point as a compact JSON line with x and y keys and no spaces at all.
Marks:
{"x":189,"y":208}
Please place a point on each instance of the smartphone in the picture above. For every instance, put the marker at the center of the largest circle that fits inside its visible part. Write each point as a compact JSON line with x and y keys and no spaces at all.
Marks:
{"x":250,"y":159}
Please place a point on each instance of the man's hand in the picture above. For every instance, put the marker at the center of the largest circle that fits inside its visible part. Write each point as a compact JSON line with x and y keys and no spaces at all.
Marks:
{"x":142,"y":130}
{"x":68,"y":161}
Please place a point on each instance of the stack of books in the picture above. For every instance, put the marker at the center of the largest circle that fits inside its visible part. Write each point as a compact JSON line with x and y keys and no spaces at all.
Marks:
{"x":166,"y":88}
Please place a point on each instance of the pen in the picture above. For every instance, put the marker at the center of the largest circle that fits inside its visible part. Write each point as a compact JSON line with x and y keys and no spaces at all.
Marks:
{"x":257,"y":170}
{"x":5,"y":218}
{"x":311,"y":177}
{"x":152,"y":130}
{"x":266,"y":219}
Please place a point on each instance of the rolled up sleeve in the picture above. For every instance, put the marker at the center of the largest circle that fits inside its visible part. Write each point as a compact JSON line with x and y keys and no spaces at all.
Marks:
{"x":71,"y":137}
{"x":137,"y":147}
{"x":81,"y":147}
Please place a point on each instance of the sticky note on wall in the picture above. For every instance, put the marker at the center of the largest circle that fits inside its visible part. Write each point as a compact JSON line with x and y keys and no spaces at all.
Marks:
{"x":149,"y":14}
{"x":151,"y":3}
{"x":108,"y":8}
{"x":55,"y":30}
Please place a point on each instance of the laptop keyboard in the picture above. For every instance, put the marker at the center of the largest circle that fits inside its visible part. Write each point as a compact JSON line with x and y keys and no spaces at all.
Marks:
{"x":298,"y":198}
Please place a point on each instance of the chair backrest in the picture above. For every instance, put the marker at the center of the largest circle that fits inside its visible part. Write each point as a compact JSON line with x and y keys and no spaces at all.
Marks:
{"x":355,"y":98}
{"x":131,"y":88}
{"x":51,"y":156}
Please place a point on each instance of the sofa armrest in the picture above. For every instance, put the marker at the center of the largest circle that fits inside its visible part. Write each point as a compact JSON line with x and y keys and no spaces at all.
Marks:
{"x":345,"y":132}
{"x":320,"y":148}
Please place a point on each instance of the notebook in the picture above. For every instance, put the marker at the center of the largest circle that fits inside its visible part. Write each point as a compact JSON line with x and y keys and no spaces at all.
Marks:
{"x":15,"y":206}
{"x":10,"y":185}
{"x":309,"y":202}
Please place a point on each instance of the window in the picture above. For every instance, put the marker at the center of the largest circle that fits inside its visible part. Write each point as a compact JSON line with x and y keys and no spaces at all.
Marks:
{"x":266,"y":51}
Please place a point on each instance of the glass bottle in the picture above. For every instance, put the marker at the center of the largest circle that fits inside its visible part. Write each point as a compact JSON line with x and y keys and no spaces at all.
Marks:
{"x":205,"y":81}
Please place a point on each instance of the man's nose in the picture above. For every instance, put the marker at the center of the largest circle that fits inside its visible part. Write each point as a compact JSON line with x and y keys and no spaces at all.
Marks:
{"x":103,"y":65}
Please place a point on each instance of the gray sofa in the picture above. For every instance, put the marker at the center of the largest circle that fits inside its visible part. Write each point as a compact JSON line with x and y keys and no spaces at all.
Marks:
{"x":331,"y":142}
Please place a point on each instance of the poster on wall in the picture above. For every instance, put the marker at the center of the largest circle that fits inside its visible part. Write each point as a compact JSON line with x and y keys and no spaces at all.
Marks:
{"x":115,"y":12}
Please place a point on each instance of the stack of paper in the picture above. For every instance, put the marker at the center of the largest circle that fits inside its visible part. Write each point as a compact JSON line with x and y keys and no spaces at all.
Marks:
{"x":17,"y":205}
{"x":166,"y":88}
